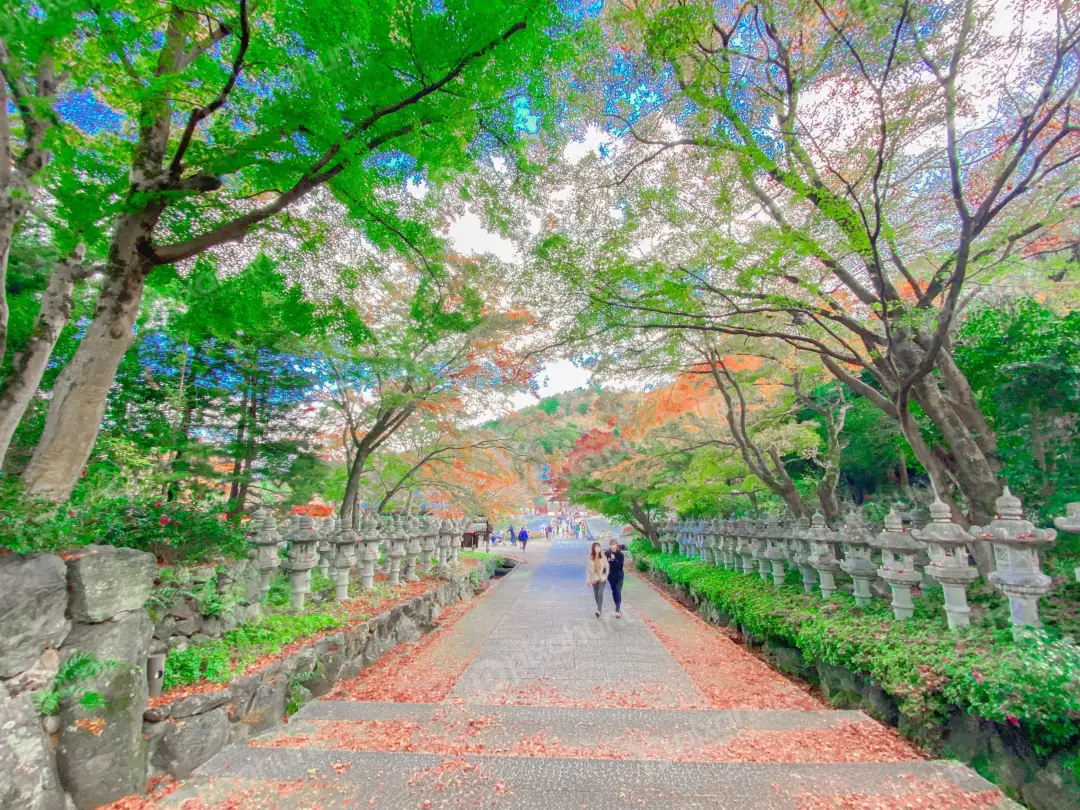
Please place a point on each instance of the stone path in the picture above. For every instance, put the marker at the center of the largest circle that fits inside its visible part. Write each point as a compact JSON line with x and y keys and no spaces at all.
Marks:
{"x":528,"y":701}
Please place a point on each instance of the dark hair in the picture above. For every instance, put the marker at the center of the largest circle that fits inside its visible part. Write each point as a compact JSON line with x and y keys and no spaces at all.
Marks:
{"x":593,"y":550}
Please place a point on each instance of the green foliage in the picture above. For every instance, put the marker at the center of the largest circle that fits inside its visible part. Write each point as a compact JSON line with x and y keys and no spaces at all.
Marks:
{"x":1032,"y":682}
{"x":173,"y":531}
{"x":296,"y":690}
{"x":222,"y":659}
{"x":549,"y":405}
{"x":72,"y":672}
{"x":1023,"y":362}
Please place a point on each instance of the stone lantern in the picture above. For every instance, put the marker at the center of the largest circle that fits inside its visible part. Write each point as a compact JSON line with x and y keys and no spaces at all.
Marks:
{"x":670,"y":530}
{"x":1016,"y":557}
{"x":823,"y":542}
{"x":413,"y":532}
{"x":756,"y":533}
{"x":395,"y":549}
{"x":344,"y":553}
{"x":857,"y":544}
{"x":264,"y":544}
{"x":715,"y":529}
{"x":428,"y":543}
{"x":744,"y":547}
{"x":458,"y":538}
{"x":949,"y":562}
{"x":1070,"y":523}
{"x":446,"y":531}
{"x":803,"y":553}
{"x":327,"y":532}
{"x":775,"y":548}
{"x":369,"y":536}
{"x":303,"y":556}
{"x":898,"y":552}
{"x":720,"y":547}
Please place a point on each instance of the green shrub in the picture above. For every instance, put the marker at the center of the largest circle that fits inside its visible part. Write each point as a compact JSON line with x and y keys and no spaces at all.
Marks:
{"x":222,"y":659}
{"x":1032,"y":681}
{"x":173,"y":531}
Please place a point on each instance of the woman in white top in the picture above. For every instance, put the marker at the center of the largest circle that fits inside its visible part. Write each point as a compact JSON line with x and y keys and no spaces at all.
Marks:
{"x":596,"y":574}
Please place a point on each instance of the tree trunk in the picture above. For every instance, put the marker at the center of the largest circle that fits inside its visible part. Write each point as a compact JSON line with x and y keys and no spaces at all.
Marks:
{"x":974,"y":472}
{"x":81,"y":391}
{"x":249,"y":456}
{"x":350,"y":509}
{"x":9,"y":215}
{"x":905,"y":479}
{"x":826,"y":492}
{"x":238,"y":459}
{"x":28,"y":369}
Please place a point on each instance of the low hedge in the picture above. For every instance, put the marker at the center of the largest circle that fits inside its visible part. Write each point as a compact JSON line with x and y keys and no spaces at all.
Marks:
{"x":1031,"y":681}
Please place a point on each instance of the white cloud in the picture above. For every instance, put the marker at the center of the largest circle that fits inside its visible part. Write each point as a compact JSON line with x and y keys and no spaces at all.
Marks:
{"x":469,"y":238}
{"x":557,"y":377}
{"x":574,"y":151}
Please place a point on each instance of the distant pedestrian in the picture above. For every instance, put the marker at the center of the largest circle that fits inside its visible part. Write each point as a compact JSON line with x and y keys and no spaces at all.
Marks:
{"x":512,"y":535}
{"x":547,"y":532}
{"x":596,"y":574}
{"x":615,"y":559}
{"x":523,"y":537}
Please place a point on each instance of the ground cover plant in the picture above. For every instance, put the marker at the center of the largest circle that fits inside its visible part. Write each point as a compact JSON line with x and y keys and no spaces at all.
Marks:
{"x":1030,"y":681}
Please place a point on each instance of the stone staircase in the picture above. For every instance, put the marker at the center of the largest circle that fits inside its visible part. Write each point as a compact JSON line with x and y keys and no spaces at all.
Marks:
{"x":623,"y":714}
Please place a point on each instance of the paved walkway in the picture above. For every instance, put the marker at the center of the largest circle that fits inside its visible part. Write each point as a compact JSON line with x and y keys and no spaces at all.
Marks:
{"x":526,"y":700}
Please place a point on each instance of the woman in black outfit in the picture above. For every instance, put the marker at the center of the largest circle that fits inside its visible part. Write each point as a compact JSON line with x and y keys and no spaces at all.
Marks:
{"x":615,"y":559}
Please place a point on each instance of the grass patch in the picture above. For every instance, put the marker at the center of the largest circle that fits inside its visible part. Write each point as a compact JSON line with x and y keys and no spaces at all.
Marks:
{"x":220,"y":660}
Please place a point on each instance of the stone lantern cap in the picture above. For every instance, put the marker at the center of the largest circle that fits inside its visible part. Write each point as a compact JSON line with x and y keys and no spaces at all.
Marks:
{"x":825,"y":539}
{"x":856,"y":533}
{"x":369,"y":531}
{"x":1071,"y":522}
{"x":264,"y":527}
{"x":897,"y":541}
{"x":344,"y":536}
{"x":942,"y":533}
{"x":896,"y":538}
{"x":1009,"y":527}
{"x":303,"y":537}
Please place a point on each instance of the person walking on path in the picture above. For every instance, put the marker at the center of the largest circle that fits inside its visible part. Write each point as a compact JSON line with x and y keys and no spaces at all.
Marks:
{"x":596,"y":574}
{"x":523,"y":537}
{"x":615,"y":559}
{"x":512,"y":535}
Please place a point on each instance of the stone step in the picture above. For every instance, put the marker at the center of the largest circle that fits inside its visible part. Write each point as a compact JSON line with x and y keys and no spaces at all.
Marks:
{"x":305,"y":778}
{"x":594,"y":733}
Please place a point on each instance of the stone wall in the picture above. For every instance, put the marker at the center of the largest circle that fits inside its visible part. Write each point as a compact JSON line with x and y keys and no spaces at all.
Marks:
{"x":184,"y":733}
{"x":183,"y":621}
{"x":93,"y":600}
{"x":998,"y":752}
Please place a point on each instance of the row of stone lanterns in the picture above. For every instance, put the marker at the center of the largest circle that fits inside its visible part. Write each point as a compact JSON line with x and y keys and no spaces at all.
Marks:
{"x":818,"y":552}
{"x":409,"y":545}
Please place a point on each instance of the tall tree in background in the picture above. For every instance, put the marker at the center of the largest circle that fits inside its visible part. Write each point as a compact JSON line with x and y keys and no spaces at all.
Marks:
{"x":231,"y":115}
{"x":830,"y":178}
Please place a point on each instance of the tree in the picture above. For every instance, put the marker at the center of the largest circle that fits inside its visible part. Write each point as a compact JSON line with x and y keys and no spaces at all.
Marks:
{"x":1023,"y":362}
{"x":808,"y":176}
{"x":422,"y":358}
{"x":273,"y":107}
